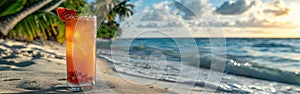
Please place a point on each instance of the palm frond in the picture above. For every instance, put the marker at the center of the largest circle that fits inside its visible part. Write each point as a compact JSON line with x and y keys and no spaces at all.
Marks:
{"x":41,"y":24}
{"x":8,"y":7}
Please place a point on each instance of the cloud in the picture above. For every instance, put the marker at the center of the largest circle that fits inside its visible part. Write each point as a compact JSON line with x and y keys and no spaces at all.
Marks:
{"x":157,"y":15}
{"x":190,"y":9}
{"x":162,"y":6}
{"x":159,"y":12}
{"x":185,"y":9}
{"x":280,"y":12}
{"x":160,"y":24}
{"x":278,"y":8}
{"x":235,"y":8}
{"x":149,"y":25}
{"x":267,"y":15}
{"x":138,"y":3}
{"x":174,"y":24}
{"x":265,"y":23}
{"x":241,"y":18}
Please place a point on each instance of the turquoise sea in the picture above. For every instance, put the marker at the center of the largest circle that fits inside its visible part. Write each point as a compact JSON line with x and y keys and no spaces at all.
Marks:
{"x":248,"y":65}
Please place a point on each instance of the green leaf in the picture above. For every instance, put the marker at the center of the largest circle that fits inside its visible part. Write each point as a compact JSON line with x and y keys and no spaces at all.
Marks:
{"x":61,"y":35}
{"x":40,"y":24}
{"x":9,"y":7}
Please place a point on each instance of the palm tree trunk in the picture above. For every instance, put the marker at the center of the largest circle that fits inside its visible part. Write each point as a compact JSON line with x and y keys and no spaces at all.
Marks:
{"x":55,"y":5}
{"x":7,"y":23}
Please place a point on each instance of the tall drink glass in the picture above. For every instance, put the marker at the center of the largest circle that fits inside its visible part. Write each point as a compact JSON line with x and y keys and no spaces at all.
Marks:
{"x":81,"y":52}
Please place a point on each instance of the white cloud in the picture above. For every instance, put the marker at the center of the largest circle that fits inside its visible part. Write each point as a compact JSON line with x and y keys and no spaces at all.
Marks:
{"x":174,"y":24}
{"x":159,"y":12}
{"x":247,"y":18}
{"x":162,"y":6}
{"x":264,"y":23}
{"x":236,"y":8}
{"x":168,"y":24}
{"x":157,"y":15}
{"x":278,"y":8}
{"x":150,"y":25}
{"x":138,"y":3}
{"x":174,"y":12}
{"x":193,"y":8}
{"x":268,"y":15}
{"x":185,"y":9}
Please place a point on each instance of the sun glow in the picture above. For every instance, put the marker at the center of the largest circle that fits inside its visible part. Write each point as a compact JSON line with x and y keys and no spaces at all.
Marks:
{"x":295,"y":13}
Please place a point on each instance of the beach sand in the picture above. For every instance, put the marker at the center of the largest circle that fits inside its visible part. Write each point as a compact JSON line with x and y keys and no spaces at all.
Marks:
{"x":36,"y":68}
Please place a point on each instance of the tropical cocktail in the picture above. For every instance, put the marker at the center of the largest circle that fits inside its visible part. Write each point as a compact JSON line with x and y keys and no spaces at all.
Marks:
{"x":80,"y":49}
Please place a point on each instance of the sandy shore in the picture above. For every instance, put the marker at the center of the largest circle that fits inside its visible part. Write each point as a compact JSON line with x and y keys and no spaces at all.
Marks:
{"x":33,"y":68}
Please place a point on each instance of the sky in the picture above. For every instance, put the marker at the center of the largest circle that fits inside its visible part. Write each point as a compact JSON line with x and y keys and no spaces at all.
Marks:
{"x":214,"y":18}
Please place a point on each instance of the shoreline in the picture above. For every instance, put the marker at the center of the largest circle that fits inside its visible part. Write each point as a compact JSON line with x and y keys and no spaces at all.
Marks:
{"x":32,"y":68}
{"x":120,"y":85}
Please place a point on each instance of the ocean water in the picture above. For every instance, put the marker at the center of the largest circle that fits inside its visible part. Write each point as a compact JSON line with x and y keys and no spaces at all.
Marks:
{"x":247,"y":66}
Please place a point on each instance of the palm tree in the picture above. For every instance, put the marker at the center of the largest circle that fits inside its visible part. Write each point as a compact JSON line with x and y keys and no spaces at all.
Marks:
{"x":109,"y":28}
{"x":102,"y":8}
{"x":34,"y":19}
{"x":109,"y":9}
{"x":8,"y":22}
{"x":123,"y":10}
